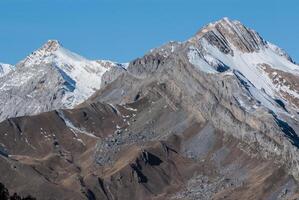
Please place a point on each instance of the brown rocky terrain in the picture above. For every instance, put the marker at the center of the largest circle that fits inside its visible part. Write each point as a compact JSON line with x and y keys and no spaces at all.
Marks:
{"x":170,"y":155}
{"x":284,"y":79}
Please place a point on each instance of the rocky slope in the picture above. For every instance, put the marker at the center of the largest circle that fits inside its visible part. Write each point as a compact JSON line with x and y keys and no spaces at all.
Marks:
{"x":50,"y":78}
{"x":201,"y":119}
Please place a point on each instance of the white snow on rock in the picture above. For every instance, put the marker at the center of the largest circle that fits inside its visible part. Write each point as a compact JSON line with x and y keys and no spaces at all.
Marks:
{"x":279,"y":51}
{"x":198,"y":62}
{"x":5,"y":69}
{"x":248,"y":65}
{"x":257,"y":94}
{"x":83,"y":74}
{"x":228,"y":45}
{"x":72,"y":127}
{"x":50,"y":78}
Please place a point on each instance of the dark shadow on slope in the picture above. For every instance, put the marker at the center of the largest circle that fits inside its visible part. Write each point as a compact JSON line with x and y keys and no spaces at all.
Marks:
{"x":3,"y":152}
{"x":281,"y":104}
{"x":90,"y":195}
{"x":101,"y":182}
{"x":151,"y":159}
{"x":113,"y":109}
{"x":288,"y":130}
{"x":4,"y":195}
{"x":222,"y":67}
{"x":137,"y":97}
{"x":69,"y":83}
{"x":242,"y":81}
{"x":136,"y":168}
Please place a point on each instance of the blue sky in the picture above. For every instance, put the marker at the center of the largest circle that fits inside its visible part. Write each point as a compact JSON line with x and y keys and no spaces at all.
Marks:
{"x":122,"y":30}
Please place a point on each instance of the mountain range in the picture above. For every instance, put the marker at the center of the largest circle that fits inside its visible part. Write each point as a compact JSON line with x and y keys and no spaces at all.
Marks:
{"x":212,"y":117}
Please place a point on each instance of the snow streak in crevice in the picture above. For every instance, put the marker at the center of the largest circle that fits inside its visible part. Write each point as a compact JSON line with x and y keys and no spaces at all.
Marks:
{"x":71,"y":126}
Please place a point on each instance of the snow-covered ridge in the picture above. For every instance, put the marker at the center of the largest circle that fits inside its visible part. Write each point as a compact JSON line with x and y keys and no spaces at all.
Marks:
{"x":279,"y":51}
{"x":85,"y":74}
{"x":195,"y":59}
{"x":5,"y":69}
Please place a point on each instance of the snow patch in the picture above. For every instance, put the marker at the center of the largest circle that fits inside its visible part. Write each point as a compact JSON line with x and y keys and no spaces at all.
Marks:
{"x":197,"y":61}
{"x":72,"y":127}
{"x":131,"y":109}
{"x":5,"y":69}
{"x":249,"y":65}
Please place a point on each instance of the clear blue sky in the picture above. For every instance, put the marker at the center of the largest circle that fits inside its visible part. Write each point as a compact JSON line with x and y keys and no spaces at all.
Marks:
{"x":122,"y":30}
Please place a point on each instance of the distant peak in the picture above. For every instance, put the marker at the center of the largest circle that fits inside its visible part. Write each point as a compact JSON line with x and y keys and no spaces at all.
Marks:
{"x":224,"y":23}
{"x":51,"y":46}
{"x":224,"y":20}
{"x":227,"y":23}
{"x":54,"y":42}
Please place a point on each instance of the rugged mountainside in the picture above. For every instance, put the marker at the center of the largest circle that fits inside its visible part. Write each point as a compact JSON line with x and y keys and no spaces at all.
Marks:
{"x":265,"y":65}
{"x":50,"y":78}
{"x":214,"y":117}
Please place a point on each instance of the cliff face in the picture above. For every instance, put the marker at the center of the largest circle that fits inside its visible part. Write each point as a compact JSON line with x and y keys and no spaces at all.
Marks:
{"x":200,"y":119}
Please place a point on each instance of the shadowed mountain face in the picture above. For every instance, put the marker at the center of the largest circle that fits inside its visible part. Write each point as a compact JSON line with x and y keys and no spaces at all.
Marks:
{"x":203,"y":119}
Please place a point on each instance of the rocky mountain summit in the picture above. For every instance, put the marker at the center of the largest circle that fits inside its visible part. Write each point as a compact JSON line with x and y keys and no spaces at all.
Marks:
{"x":213,"y":117}
{"x":50,"y":78}
{"x":265,"y":65}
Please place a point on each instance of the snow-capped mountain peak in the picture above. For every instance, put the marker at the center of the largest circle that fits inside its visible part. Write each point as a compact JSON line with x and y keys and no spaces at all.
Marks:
{"x":70,"y":77}
{"x":52,"y":49}
{"x":85,"y":75}
{"x":51,"y":45}
{"x":231,"y":35}
{"x":228,"y":44}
